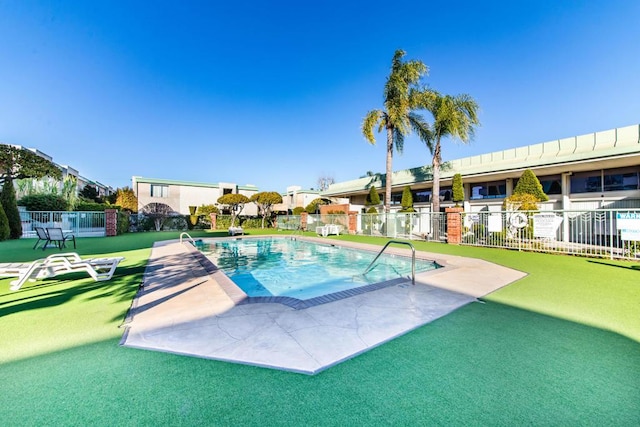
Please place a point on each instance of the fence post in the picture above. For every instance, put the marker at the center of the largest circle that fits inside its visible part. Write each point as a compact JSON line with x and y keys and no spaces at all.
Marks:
{"x":213,"y":217}
{"x":353,"y":222}
{"x":111,"y":222}
{"x":454,"y":225}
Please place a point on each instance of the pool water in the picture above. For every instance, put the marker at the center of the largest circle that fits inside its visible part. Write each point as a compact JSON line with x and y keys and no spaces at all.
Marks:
{"x":266,"y":267}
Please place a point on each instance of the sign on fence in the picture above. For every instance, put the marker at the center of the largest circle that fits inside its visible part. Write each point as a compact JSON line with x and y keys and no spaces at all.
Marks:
{"x":546,"y":225}
{"x":629,"y":225}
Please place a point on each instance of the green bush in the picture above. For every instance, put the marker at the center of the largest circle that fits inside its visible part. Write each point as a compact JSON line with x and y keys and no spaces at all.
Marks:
{"x":44,"y":202}
{"x":298,"y":210}
{"x":251,"y":222}
{"x":8,"y":202}
{"x":372,"y":210}
{"x":94,"y":207}
{"x":407,"y":200}
{"x":373,"y":198}
{"x":175,"y":223}
{"x":458,"y":189}
{"x":5,"y":232}
{"x":123,"y":222}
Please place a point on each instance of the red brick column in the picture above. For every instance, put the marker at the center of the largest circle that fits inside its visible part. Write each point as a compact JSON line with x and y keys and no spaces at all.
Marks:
{"x":303,"y":221}
{"x":353,"y":222}
{"x":213,"y":217}
{"x":454,"y":225}
{"x":111,"y":222}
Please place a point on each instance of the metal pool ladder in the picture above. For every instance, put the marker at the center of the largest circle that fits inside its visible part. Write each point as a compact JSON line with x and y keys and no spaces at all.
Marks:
{"x":183,"y":234}
{"x":413,"y":258}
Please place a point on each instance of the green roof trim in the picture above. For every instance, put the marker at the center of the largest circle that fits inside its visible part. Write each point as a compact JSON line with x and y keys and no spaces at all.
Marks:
{"x":612,"y":143}
{"x":140,"y":179}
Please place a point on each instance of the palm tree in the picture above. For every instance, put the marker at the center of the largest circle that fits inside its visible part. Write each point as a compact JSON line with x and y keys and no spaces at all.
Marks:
{"x":401,"y":96}
{"x":454,"y":117}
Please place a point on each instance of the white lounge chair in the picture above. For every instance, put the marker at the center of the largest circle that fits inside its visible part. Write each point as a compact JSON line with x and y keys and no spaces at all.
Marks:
{"x":327,"y":229}
{"x":98,"y":268}
{"x":235,"y":230}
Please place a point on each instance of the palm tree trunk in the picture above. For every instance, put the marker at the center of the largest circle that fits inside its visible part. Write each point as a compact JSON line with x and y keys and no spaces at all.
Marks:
{"x":435,"y":193}
{"x":387,"y":192}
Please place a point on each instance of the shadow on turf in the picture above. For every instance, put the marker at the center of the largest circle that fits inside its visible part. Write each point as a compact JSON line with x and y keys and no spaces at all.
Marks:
{"x":65,"y":288}
{"x":626,"y":267}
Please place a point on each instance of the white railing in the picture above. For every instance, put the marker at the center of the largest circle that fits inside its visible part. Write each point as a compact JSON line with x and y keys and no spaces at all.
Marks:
{"x":81,"y":224}
{"x":411,"y":226}
{"x":609,"y":233}
{"x":604,"y":233}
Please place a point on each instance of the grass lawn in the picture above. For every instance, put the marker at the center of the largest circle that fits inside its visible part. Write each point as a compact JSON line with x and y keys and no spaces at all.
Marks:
{"x":559,"y":347}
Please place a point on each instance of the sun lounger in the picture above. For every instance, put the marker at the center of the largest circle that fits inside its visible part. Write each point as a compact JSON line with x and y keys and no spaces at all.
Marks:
{"x":235,"y":230}
{"x":99,"y":269}
{"x":327,"y":229}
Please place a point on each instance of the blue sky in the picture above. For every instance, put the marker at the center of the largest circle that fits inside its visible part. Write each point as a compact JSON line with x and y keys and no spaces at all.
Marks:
{"x":273,"y":93}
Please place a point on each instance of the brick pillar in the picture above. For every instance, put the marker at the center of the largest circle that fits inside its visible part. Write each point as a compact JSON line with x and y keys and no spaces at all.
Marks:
{"x":111,"y":222}
{"x":303,"y":220}
{"x":454,"y":225}
{"x":353,"y":222}
{"x":213,"y":217}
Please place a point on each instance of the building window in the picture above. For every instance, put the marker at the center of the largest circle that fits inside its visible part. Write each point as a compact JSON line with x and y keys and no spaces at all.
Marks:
{"x":551,"y":184}
{"x":446,"y":193}
{"x":159,"y":190}
{"x":489,"y":190}
{"x":422,"y":196}
{"x":621,"y":179}
{"x":227,"y":191}
{"x":396,"y":198}
{"x":586,"y":182}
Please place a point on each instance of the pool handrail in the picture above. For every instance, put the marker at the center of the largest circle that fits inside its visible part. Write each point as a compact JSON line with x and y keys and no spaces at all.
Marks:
{"x":413,"y":258}
{"x":184,"y":233}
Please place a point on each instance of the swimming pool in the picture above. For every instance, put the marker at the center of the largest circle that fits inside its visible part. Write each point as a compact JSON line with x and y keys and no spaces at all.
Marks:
{"x":303,"y":270}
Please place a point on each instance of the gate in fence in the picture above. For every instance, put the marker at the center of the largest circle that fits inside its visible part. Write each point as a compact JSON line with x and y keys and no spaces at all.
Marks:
{"x":81,"y":224}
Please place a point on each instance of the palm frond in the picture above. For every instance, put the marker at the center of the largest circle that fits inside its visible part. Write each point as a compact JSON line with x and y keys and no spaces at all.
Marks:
{"x":398,"y":139}
{"x":369,"y":122}
{"x":422,"y":129}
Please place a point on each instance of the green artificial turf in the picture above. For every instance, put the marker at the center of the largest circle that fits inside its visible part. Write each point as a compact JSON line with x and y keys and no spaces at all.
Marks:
{"x":559,"y":347}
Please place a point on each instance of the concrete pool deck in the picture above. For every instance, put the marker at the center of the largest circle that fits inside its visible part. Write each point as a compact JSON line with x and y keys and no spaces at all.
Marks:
{"x":186,"y":306}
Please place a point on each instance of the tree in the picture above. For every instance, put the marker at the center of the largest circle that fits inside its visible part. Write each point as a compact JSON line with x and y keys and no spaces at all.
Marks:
{"x":18,"y":163}
{"x":407,"y":200}
{"x":527,"y":194}
{"x":90,"y":193}
{"x":5,"y":231}
{"x":324,"y":182}
{"x":126,"y":199}
{"x":373,"y":199}
{"x":265,"y":201}
{"x":235,"y":204}
{"x":204,"y":213}
{"x":453,"y":117}
{"x":313,"y":206}
{"x":458,"y":189}
{"x":401,"y":97}
{"x":530,"y":184}
{"x":10,"y":207}
{"x":158,"y":212}
{"x":44,"y":202}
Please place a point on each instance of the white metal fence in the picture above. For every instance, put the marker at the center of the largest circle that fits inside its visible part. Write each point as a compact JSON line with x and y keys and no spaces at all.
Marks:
{"x":81,"y":224}
{"x":604,"y":233}
{"x":610,"y":233}
{"x":414,"y":226}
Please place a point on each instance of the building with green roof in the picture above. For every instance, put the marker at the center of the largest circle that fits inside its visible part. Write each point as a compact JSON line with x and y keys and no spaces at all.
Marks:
{"x":585,"y":172}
